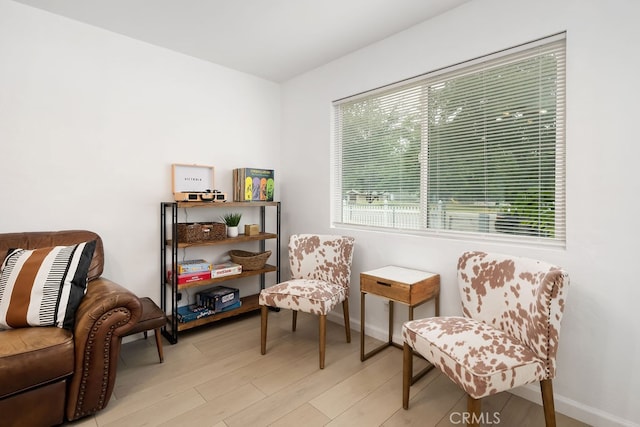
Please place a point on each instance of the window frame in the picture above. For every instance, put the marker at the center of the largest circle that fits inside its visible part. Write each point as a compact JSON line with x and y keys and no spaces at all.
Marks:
{"x":338,"y":200}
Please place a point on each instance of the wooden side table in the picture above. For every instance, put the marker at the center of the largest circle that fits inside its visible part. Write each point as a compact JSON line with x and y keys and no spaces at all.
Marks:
{"x":397,"y":284}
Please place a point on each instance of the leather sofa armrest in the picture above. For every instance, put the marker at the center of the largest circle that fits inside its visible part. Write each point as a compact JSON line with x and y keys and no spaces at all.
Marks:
{"x":107,"y":312}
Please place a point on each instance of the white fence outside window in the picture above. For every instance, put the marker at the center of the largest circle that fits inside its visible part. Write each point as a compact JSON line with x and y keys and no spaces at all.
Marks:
{"x":407,"y":217}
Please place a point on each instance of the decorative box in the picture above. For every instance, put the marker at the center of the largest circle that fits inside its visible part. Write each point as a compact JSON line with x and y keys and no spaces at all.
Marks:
{"x":189,"y":313}
{"x":181,"y":279}
{"x":194,"y":266}
{"x":225,"y":269}
{"x":251,"y":229}
{"x":218,"y":298}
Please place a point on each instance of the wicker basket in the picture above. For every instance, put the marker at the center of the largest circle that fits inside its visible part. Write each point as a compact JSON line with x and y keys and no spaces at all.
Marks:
{"x":250,"y":260}
{"x":216,"y":231}
{"x":190,"y":232}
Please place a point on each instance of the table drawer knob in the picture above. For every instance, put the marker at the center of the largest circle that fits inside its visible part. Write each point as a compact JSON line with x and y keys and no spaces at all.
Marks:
{"x":384,"y":283}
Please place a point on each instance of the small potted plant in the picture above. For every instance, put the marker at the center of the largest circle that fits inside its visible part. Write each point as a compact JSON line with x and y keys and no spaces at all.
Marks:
{"x":232,"y":220}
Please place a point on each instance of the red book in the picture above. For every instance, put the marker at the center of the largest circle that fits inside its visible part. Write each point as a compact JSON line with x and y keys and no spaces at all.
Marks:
{"x":191,"y":277}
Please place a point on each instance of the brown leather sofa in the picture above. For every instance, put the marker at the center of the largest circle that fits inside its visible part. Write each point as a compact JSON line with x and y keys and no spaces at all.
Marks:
{"x":50,"y":375}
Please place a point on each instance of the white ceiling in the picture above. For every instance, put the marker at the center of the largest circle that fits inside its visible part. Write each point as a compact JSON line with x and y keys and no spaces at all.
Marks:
{"x":272,"y":39}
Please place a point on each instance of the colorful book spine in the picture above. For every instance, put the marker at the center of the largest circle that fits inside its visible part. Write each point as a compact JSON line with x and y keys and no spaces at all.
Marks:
{"x":253,"y":184}
{"x":189,"y":313}
{"x":193,"y":266}
{"x":225,"y":269}
{"x":193,"y":277}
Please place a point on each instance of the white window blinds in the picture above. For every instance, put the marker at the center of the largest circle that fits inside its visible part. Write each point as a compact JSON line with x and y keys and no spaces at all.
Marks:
{"x":475,"y":148}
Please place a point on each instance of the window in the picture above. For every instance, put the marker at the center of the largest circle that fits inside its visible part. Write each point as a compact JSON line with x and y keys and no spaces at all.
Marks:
{"x":477,"y":148}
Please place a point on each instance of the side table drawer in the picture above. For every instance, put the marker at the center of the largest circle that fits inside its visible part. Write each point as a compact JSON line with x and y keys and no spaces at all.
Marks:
{"x":386,"y":288}
{"x":411,"y":294}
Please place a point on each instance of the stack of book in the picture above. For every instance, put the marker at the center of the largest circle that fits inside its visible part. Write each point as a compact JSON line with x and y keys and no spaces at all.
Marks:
{"x":198,"y":270}
{"x":188,"y":313}
{"x":253,"y":184}
{"x":190,"y":271}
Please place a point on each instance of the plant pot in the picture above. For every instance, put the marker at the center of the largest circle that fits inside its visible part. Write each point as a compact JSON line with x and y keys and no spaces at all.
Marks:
{"x":232,"y":231}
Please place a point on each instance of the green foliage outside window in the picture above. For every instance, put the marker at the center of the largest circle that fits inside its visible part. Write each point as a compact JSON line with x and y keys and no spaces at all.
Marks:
{"x":482,"y":142}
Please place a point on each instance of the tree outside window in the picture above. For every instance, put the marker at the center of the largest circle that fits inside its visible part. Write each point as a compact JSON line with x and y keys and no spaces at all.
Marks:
{"x":477,"y":150}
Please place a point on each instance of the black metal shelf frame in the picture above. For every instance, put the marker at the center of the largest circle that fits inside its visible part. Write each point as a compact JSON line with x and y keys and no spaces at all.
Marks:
{"x":169,"y":303}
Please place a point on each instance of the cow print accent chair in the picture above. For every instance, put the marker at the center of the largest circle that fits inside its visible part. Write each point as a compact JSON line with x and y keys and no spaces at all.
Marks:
{"x":508,"y":334}
{"x":320,"y":277}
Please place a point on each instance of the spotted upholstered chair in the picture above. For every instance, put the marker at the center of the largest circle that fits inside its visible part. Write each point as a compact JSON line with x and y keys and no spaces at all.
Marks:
{"x":508,"y":336}
{"x":320,"y":277}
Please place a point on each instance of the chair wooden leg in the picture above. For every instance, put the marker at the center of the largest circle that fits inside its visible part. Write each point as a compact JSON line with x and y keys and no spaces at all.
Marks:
{"x":407,"y":373}
{"x":264,"y":313}
{"x":347,"y":324}
{"x":294,"y":320}
{"x":156,"y":331}
{"x":546,"y":387}
{"x":323,"y":338}
{"x":474,"y":407}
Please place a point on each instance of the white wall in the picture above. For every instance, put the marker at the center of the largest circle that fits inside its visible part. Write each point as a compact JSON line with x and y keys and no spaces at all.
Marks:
{"x":598,"y":368}
{"x":91,"y":121}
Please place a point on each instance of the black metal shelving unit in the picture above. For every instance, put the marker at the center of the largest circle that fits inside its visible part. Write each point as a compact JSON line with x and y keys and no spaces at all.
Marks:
{"x":169,"y":288}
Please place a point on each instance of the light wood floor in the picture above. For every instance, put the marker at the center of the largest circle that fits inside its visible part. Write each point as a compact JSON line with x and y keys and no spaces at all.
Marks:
{"x":215,"y":376}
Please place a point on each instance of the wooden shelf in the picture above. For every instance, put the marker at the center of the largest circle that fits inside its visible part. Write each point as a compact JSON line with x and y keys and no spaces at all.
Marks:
{"x":246,"y":273}
{"x":249,"y":303}
{"x":226,"y":241}
{"x":223,"y":204}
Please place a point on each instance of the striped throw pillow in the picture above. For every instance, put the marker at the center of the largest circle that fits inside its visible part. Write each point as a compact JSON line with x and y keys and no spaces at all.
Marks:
{"x":44,"y":286}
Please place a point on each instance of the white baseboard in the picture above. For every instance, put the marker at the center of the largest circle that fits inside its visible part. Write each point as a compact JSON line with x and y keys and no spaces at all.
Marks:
{"x":574,"y":409}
